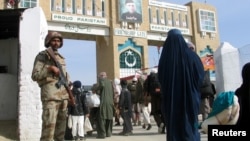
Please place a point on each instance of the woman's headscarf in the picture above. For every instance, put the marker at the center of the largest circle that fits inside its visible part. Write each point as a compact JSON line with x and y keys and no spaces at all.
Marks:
{"x":180,"y":72}
{"x":222,"y":102}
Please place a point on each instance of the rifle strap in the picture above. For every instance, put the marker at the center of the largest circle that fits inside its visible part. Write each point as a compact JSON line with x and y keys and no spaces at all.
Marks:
{"x":51,"y":54}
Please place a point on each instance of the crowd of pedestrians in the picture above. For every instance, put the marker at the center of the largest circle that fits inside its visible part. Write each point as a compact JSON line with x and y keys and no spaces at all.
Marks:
{"x":174,"y":95}
{"x":126,"y":102}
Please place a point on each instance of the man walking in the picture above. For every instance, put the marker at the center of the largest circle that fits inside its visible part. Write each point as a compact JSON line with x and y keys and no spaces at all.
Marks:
{"x":105,"y":114}
{"x":79,"y":112}
{"x":145,"y":105}
{"x":135,"y":107}
{"x":54,"y":99}
{"x":154,"y":89}
{"x":125,"y":106}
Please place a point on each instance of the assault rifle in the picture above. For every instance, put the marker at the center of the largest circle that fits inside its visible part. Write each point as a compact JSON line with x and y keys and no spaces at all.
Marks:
{"x":62,"y":79}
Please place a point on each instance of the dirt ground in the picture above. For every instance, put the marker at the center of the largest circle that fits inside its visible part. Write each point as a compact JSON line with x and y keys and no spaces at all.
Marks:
{"x":8,"y":130}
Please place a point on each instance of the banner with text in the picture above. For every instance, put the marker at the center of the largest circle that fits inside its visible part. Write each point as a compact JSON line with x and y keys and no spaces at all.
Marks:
{"x":78,"y":19}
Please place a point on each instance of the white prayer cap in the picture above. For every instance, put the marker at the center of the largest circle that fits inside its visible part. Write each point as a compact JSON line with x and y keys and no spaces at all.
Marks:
{"x":134,"y":79}
{"x":154,"y":70}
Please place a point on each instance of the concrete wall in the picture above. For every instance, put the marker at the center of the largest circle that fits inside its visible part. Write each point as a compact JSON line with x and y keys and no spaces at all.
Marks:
{"x":8,"y":81}
{"x":227,"y":62}
{"x":31,"y":41}
{"x":8,"y":97}
{"x":244,"y":55}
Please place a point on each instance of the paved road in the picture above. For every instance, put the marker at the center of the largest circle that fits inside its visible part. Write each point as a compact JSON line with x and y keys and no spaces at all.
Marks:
{"x":203,"y":137}
{"x":8,"y":130}
{"x":7,"y":133}
{"x":139,"y":134}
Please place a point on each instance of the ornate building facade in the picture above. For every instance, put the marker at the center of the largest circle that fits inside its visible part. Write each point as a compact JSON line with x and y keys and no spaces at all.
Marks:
{"x":122,"y":42}
{"x":122,"y":29}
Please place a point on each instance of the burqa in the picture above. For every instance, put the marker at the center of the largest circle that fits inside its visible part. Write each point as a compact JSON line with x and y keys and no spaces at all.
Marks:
{"x":180,"y":72}
{"x":243,"y":93}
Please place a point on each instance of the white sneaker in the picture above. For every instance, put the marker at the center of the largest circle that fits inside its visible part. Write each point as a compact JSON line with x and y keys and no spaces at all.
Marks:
{"x":160,"y":128}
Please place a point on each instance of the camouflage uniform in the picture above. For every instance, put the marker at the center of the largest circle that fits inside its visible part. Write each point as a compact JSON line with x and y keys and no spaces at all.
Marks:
{"x":54,"y":100}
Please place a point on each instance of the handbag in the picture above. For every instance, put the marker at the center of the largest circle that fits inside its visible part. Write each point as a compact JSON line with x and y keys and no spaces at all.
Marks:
{"x":87,"y":125}
{"x":95,"y":100}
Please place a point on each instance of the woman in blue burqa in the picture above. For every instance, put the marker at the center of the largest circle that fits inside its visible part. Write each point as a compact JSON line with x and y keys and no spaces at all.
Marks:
{"x":180,"y":73}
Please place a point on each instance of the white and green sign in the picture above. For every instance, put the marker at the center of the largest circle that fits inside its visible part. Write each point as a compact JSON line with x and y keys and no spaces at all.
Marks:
{"x":162,"y":28}
{"x":130,"y":33}
{"x":78,"y":19}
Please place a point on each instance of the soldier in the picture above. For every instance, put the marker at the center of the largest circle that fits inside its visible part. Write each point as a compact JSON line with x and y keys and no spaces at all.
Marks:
{"x":54,"y":100}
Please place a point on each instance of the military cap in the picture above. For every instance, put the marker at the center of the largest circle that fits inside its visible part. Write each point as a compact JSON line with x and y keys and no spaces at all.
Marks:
{"x":51,"y":35}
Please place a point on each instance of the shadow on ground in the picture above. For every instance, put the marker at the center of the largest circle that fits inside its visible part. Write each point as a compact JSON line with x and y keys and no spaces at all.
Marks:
{"x":8,"y":130}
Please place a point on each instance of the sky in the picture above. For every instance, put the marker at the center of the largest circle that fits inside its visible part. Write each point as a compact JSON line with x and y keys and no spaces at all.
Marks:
{"x":233,"y":27}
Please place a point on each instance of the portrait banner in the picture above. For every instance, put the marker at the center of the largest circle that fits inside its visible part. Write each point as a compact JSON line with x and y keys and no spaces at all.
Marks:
{"x":207,"y":59}
{"x":130,"y":11}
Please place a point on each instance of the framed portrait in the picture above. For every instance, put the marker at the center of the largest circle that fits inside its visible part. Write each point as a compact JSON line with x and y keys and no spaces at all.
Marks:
{"x":130,"y":11}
